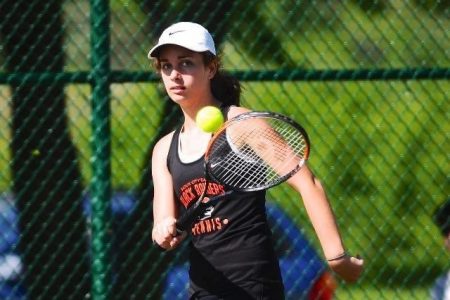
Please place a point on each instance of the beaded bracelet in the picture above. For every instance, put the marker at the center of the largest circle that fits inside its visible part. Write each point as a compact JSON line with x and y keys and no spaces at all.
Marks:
{"x":342,"y":255}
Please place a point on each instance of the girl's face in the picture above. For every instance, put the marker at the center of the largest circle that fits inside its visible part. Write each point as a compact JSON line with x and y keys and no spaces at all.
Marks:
{"x":184,"y":74}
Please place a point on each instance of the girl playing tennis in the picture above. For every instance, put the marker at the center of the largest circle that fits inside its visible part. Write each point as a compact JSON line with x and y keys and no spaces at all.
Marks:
{"x":231,"y":250}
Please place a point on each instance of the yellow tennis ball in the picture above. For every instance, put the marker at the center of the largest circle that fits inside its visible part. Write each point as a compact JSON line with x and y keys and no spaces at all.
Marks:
{"x":209,"y":118}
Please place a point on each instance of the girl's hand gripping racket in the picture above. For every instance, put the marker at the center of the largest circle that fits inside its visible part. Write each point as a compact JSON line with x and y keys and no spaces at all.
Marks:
{"x":251,"y":152}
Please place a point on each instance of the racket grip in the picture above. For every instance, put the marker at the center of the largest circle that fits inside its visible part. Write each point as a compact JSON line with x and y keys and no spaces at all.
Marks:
{"x":188,"y":218}
{"x":198,"y":208}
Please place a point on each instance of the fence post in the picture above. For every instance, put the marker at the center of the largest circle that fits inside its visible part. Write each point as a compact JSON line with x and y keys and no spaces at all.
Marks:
{"x":101,"y":150}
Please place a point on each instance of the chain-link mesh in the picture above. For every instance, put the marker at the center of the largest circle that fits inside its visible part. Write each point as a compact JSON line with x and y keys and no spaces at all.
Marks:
{"x":81,"y":108}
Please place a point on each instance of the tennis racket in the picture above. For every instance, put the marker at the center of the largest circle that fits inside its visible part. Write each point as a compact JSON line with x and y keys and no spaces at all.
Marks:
{"x":250,"y":152}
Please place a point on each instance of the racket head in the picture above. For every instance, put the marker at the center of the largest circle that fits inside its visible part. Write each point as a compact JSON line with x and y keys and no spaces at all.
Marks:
{"x":256,"y":150}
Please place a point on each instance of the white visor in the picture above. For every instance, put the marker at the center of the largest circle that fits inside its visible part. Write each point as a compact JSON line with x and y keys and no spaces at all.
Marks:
{"x":188,"y":35}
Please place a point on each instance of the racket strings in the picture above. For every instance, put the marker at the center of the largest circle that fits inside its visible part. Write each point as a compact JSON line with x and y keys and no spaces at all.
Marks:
{"x":236,"y":167}
{"x":248,"y":174}
{"x":260,"y":156}
{"x":288,"y":145}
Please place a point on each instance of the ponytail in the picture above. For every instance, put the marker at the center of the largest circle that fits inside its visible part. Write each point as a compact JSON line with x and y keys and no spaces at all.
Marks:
{"x":224,"y":87}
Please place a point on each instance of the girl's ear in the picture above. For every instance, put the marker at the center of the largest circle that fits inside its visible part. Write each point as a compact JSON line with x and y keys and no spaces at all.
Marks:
{"x":212,"y":68}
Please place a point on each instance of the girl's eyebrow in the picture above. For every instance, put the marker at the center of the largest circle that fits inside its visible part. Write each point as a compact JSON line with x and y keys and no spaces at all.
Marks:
{"x":179,"y":57}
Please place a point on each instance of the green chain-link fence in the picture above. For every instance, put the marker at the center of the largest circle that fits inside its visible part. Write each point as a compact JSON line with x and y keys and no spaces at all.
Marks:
{"x":80,"y":108}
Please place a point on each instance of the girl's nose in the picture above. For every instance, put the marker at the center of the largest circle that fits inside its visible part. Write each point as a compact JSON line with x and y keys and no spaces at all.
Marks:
{"x":175,"y":74}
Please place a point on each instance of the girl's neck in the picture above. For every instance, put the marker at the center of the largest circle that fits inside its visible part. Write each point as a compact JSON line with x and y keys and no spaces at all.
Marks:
{"x":192,"y":143}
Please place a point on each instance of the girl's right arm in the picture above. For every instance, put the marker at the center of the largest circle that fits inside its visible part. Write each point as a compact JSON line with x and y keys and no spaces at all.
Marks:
{"x":323,"y":220}
{"x":164,"y":206}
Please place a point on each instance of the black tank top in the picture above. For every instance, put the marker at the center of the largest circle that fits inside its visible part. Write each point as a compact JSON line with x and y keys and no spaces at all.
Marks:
{"x":231,"y":243}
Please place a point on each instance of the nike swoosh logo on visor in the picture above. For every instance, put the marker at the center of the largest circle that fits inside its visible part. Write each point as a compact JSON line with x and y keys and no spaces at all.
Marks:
{"x":173,"y":32}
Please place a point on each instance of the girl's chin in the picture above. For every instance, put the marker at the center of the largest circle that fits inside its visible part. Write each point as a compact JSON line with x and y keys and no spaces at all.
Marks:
{"x":179,"y":99}
{"x":177,"y":96}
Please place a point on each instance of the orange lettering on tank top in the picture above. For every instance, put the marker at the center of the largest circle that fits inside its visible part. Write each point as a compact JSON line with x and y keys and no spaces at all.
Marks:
{"x":190,"y":192}
{"x":208,"y":226}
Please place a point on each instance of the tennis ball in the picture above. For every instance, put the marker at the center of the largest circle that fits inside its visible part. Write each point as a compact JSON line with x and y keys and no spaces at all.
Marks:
{"x":209,"y":118}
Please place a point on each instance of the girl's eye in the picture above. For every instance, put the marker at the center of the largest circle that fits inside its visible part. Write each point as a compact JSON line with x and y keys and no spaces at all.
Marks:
{"x":165,"y":66}
{"x":186,"y":63}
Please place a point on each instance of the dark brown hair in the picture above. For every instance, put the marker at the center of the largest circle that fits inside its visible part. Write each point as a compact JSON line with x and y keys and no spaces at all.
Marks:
{"x":224,"y":87}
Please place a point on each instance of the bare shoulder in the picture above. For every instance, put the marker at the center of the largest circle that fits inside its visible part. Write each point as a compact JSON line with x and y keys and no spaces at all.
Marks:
{"x":236,"y":110}
{"x":161,"y":148}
